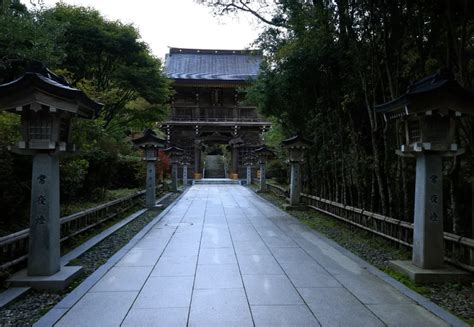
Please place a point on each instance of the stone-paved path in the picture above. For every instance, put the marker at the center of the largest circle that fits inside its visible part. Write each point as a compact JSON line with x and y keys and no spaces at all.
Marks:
{"x":224,"y":257}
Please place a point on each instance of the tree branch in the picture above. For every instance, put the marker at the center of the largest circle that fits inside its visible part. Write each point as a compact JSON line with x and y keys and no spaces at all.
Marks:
{"x":241,"y":5}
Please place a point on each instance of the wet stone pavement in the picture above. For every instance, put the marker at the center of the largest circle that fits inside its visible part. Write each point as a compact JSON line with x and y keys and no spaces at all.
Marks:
{"x":222,"y":256}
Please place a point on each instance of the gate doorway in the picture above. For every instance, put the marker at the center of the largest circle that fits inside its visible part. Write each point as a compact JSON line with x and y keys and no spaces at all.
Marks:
{"x":215,"y":162}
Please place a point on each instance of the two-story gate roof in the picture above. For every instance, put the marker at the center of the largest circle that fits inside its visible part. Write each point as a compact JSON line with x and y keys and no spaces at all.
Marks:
{"x":212,"y":65}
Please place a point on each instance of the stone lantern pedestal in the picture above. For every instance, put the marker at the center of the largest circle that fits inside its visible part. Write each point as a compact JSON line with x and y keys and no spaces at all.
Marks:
{"x":249,"y":160}
{"x":175,"y":154}
{"x":263,"y":154}
{"x":185,"y":160}
{"x":150,"y":144}
{"x":296,"y":147}
{"x":428,"y":112}
{"x":46,"y":104}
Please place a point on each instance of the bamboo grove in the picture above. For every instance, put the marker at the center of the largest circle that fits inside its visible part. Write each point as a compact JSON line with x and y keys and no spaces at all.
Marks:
{"x":328,"y":62}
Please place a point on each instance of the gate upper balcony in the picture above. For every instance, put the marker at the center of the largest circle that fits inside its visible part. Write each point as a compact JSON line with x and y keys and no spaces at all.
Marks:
{"x":192,"y":114}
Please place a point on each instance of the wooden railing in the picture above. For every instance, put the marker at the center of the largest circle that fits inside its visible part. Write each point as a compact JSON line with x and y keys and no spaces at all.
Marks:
{"x":215,"y":114}
{"x":14,"y":247}
{"x":458,"y":250}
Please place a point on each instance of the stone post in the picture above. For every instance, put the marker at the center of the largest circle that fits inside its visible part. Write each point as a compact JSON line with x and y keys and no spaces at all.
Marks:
{"x":249,"y":175}
{"x":263,"y":179}
{"x":185,"y":174}
{"x":150,"y":184}
{"x":295,"y":184}
{"x":174,"y":176}
{"x":428,"y":244}
{"x":44,"y":249}
{"x":263,"y":154}
{"x":296,"y":147}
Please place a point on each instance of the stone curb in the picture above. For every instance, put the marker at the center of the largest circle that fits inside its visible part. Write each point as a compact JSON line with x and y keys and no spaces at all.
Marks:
{"x":419,"y":299}
{"x":53,"y":315}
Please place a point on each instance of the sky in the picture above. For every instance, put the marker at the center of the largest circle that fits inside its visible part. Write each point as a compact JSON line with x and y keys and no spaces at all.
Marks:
{"x":176,"y":23}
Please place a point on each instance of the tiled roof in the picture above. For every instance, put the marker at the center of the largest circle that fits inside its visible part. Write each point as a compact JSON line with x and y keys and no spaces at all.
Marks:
{"x":225,"y":65}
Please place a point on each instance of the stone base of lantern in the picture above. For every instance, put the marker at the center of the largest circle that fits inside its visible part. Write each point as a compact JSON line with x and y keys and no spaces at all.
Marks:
{"x":56,"y":282}
{"x":419,"y":275}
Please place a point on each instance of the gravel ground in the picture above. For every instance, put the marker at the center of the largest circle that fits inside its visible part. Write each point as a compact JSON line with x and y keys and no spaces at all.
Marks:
{"x":28,"y":309}
{"x":456,"y":298}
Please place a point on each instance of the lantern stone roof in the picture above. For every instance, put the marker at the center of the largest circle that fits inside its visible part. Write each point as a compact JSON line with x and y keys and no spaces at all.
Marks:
{"x":223,"y":65}
{"x":149,"y":138}
{"x":173,"y":150}
{"x":264,"y":151}
{"x":438,"y":91}
{"x":296,"y":140}
{"x":46,"y":82}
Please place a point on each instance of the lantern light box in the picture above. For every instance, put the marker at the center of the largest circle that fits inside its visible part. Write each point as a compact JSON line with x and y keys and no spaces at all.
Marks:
{"x":46,"y":104}
{"x":429,"y":110}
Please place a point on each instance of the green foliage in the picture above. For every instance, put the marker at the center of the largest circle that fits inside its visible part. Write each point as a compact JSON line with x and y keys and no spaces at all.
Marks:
{"x":327,"y":63}
{"x":277,"y":170}
{"x":73,"y":174}
{"x":107,"y":60}
{"x":26,"y":36}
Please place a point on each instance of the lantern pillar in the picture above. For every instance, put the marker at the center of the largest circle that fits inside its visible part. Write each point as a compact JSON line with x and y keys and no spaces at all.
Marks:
{"x":176,"y":155}
{"x":263,"y":179}
{"x":296,"y":147}
{"x":295,"y":190}
{"x":150,"y":143}
{"x":428,"y":240}
{"x":150,"y":183}
{"x":174,"y":176}
{"x":185,"y":174}
{"x":263,"y":154}
{"x":249,"y":175}
{"x":44,"y":249}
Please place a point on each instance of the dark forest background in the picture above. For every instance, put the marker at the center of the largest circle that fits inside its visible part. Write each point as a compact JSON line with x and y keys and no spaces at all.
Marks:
{"x":329,"y":62}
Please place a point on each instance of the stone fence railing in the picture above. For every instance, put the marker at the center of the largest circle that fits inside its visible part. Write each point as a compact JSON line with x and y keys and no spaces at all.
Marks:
{"x":14,"y":247}
{"x":458,"y":250}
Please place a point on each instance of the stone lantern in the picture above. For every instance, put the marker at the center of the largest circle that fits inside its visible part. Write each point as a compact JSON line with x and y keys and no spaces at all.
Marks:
{"x":263,"y":154}
{"x":428,"y":111}
{"x":296,"y":147}
{"x":150,"y":144}
{"x":46,"y":104}
{"x":175,"y":154}
{"x":249,"y":160}
{"x":185,"y":161}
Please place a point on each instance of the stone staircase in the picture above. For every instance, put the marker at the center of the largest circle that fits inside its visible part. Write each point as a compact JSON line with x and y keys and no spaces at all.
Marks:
{"x":216,"y":181}
{"x":214,"y":167}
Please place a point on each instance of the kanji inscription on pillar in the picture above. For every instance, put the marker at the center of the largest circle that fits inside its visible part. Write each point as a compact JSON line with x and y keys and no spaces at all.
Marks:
{"x":41,"y":201}
{"x":434,"y":207}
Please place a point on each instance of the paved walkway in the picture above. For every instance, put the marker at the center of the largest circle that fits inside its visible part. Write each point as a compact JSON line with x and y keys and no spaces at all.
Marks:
{"x":224,"y":257}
